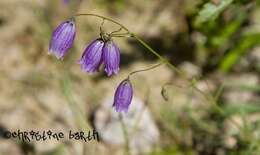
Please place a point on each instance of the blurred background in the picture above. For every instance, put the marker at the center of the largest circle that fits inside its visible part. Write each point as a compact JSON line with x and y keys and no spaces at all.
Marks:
{"x":214,"y":41}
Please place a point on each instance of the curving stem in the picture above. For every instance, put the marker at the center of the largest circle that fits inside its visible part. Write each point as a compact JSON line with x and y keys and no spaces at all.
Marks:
{"x":103,"y":17}
{"x":208,"y":98}
{"x":137,"y":38}
{"x":142,"y":70}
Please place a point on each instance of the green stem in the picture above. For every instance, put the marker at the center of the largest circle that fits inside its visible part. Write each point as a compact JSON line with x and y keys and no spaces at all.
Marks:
{"x":158,"y":55}
{"x":209,"y":98}
{"x":103,"y":17}
{"x":137,"y":38}
{"x":79,"y":115}
{"x":142,"y":70}
{"x":125,"y":133}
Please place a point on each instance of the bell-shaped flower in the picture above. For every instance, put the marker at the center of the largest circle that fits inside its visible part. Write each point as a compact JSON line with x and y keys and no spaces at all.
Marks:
{"x":123,"y":96}
{"x":111,"y":57}
{"x":92,"y":56}
{"x":62,"y":38}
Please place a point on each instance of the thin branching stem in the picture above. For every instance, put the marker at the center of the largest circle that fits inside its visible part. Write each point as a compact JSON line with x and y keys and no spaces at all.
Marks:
{"x":116,"y":31}
{"x":142,"y":70}
{"x":101,"y":26}
{"x":150,"y":49}
{"x":103,"y":17}
{"x":120,"y":35}
{"x":208,"y":97}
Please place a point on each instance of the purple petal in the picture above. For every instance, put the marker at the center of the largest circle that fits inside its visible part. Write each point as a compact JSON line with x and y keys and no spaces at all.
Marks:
{"x":111,"y":58}
{"x":92,"y":56}
{"x":62,"y":39}
{"x":123,"y":96}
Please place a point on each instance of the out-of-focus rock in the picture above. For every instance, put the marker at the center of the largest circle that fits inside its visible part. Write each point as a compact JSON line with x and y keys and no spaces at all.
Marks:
{"x":190,"y":69}
{"x":254,"y":56}
{"x":9,"y":147}
{"x":231,"y":129}
{"x":206,"y":85}
{"x":141,"y":129}
{"x":230,"y":142}
{"x":233,"y":92}
{"x":235,"y":124}
{"x":181,"y":94}
{"x":242,"y":65}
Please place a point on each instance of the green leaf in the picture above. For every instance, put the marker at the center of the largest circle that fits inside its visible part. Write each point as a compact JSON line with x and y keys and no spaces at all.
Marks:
{"x":252,"y":88}
{"x":226,"y":32}
{"x":211,"y":11}
{"x":237,"y":108}
{"x":234,"y":55}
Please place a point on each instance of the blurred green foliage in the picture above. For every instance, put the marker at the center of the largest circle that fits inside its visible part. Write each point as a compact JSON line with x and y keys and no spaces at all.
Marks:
{"x":237,"y":52}
{"x":211,"y":11}
{"x":223,"y":25}
{"x":223,"y":36}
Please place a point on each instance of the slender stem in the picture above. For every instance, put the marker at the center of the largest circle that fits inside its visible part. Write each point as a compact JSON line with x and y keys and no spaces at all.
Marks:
{"x":209,"y":98}
{"x":120,"y":34}
{"x":103,"y":17}
{"x":113,"y":32}
{"x":142,"y":70}
{"x":136,"y":37}
{"x":158,"y":55}
{"x":163,"y":90}
{"x":219,"y":91}
{"x":79,"y":115}
{"x":125,"y":133}
{"x":101,"y":26}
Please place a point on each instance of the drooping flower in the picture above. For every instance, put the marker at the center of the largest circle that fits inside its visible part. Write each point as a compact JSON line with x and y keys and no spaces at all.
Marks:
{"x":99,"y":51}
{"x":92,"y":56}
{"x":111,"y":58}
{"x":62,"y":38}
{"x":123,"y":96}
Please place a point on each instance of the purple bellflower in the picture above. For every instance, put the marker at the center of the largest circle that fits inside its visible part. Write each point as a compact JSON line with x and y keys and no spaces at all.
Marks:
{"x":123,"y":96}
{"x":111,"y":58}
{"x":92,"y":56}
{"x":100,"y":51}
{"x":62,"y":38}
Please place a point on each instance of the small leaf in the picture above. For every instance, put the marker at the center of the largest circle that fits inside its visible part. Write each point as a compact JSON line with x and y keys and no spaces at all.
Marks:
{"x":235,"y":54}
{"x":236,"y":108}
{"x":211,"y":11}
